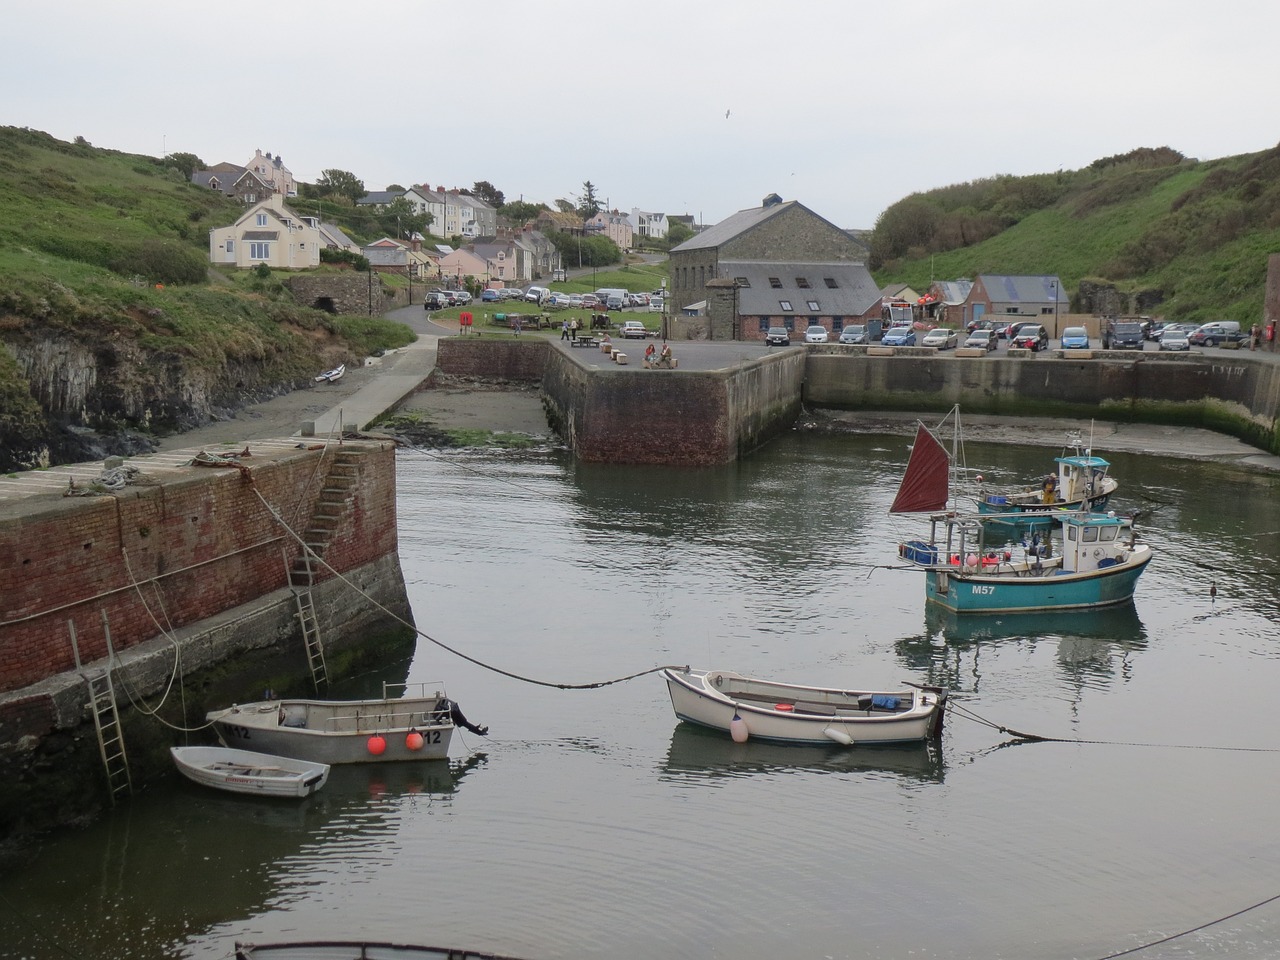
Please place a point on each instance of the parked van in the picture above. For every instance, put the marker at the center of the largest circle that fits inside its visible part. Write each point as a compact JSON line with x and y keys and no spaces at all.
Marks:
{"x":1215,"y":332}
{"x":536,"y":294}
{"x":1122,"y":335}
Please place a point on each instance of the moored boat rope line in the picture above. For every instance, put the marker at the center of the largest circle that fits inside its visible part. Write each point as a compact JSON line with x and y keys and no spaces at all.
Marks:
{"x":441,"y":644}
{"x":958,"y":709}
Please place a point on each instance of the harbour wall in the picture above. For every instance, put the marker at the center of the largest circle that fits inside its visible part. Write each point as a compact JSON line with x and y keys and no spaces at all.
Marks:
{"x":1229,"y":391}
{"x":193,"y":575}
{"x":632,"y":415}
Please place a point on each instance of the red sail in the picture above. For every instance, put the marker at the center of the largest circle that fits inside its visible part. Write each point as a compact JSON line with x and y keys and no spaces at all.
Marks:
{"x":925,"y":484}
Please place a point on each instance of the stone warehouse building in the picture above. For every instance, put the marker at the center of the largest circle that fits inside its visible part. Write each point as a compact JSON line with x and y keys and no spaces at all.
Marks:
{"x":810,"y":256}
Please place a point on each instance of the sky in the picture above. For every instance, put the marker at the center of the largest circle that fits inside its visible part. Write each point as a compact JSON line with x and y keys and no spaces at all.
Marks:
{"x":699,"y":107}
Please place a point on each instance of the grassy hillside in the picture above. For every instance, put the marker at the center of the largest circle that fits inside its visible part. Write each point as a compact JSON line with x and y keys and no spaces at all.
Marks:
{"x":108,"y":251}
{"x":1184,"y":238}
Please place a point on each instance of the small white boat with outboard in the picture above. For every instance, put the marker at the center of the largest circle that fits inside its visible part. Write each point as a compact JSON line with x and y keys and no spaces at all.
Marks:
{"x":244,"y":771}
{"x":749,"y":708}
{"x":332,"y":376}
{"x":356,"y":950}
{"x":346,"y":731}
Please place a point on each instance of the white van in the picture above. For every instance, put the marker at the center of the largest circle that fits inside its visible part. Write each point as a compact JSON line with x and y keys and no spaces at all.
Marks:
{"x":606,"y":293}
{"x":536,"y":294}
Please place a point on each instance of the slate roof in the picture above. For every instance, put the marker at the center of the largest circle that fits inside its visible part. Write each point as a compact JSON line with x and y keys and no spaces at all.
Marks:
{"x":1036,"y":289}
{"x":379,"y":198}
{"x":954,"y":291}
{"x":732,"y":226}
{"x":854,"y":292}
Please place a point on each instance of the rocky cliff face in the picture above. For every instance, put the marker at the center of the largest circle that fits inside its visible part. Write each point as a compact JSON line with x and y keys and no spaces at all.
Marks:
{"x":104,"y":399}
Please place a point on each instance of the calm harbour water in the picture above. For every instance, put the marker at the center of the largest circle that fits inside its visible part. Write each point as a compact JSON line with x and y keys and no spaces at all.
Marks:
{"x":591,"y":825}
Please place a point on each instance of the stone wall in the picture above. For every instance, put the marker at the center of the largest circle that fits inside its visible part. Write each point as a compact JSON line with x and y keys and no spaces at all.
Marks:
{"x":686,"y":418}
{"x":1226,"y":391}
{"x":359,"y":292}
{"x":491,"y":358}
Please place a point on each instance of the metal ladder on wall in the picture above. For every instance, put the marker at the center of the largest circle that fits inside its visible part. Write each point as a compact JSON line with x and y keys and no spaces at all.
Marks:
{"x":307,"y":620}
{"x":106,"y":718}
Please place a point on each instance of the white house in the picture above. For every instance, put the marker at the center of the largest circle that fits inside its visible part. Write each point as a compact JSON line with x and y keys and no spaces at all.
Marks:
{"x":646,"y":224}
{"x":270,"y":233}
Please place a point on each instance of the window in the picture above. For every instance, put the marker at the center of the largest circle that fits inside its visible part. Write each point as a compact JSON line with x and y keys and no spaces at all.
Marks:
{"x":259,"y":251}
{"x":789,"y":323}
{"x":261,"y":220}
{"x":1013,"y":310}
{"x":775,"y":283}
{"x":813,"y":306}
{"x":802,"y":283}
{"x":742,"y":281}
{"x":831,"y":283}
{"x":837,"y":324}
{"x":786,"y":305}
{"x":764,"y":324}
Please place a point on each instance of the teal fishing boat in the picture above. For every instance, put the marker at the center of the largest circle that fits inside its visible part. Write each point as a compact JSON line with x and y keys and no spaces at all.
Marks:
{"x":1081,"y":483}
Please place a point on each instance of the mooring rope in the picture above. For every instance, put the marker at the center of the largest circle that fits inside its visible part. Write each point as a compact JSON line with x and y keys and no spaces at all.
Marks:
{"x":441,"y":644}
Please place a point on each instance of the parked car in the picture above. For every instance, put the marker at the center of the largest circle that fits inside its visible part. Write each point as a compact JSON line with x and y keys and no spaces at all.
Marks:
{"x":590,"y":301}
{"x":490,"y":296}
{"x":855,"y":334}
{"x":560,"y":300}
{"x":460,"y":297}
{"x":435,"y":300}
{"x":1215,"y":332}
{"x":1075,"y":338}
{"x":575,"y":300}
{"x":1176,"y":336}
{"x":1011,"y":330}
{"x":815,"y":334}
{"x":1151,"y":329}
{"x":537,"y":294}
{"x":633,"y":329}
{"x":639,"y":299}
{"x":1031,"y":336}
{"x":512,"y":293}
{"x":983,"y":340}
{"x":614,"y":303}
{"x":777,"y":337}
{"x":1122,"y":335}
{"x":899,"y":337}
{"x":656,"y":305}
{"x":941,"y":337}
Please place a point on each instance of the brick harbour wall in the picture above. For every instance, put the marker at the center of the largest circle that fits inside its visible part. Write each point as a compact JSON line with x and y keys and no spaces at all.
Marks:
{"x":190,"y":547}
{"x":493,"y":358}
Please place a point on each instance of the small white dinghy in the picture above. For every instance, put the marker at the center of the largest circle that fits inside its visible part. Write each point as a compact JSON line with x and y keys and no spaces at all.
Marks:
{"x":745,"y":707}
{"x":243,"y":771}
{"x":330,"y":376}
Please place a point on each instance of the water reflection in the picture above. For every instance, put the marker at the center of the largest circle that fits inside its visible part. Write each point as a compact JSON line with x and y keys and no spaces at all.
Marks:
{"x":698,"y":754}
{"x":1120,"y":624}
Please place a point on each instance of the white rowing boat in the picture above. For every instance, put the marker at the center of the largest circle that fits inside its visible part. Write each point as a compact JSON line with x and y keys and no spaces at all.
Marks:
{"x":244,"y":771}
{"x":747,"y":708}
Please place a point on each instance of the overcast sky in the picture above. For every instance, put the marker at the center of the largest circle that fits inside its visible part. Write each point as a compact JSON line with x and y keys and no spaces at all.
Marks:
{"x":681,"y":106}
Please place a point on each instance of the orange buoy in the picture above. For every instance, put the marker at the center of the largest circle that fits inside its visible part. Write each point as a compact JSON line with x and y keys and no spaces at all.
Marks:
{"x":413,"y":740}
{"x":377,"y":745}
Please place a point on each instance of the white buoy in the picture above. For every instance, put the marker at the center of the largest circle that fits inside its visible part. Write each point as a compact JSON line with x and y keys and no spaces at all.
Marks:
{"x":738,"y":729}
{"x":839,"y":736}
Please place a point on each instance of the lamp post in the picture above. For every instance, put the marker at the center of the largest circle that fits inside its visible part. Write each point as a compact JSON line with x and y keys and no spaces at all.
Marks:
{"x":1053,"y":285}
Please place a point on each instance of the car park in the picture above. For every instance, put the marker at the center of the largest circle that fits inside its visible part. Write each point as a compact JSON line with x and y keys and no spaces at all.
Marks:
{"x":1032,"y":337}
{"x":941,"y":337}
{"x":982,"y":340}
{"x":854,"y":334}
{"x":899,"y":337}
{"x":1176,"y":336}
{"x":815,"y":334}
{"x":777,"y":337}
{"x":634,"y":329}
{"x":1075,"y":338}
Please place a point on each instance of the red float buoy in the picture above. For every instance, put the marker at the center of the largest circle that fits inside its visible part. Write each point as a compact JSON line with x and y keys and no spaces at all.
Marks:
{"x":377,"y":745}
{"x":784,"y":706}
{"x":413,"y":740}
